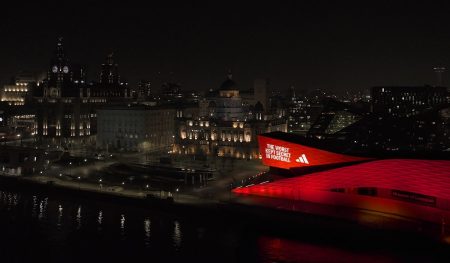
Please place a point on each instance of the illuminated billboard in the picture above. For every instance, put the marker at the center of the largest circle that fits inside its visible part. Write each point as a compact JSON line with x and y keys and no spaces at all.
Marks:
{"x":283,"y":154}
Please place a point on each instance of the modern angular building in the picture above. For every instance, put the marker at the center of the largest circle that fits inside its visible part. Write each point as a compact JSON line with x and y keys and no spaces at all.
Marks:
{"x":411,"y":189}
{"x":288,"y":151}
{"x":352,"y":129}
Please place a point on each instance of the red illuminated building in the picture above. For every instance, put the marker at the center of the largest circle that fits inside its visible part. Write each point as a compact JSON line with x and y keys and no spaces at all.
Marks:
{"x":411,"y":188}
{"x":280,"y":152}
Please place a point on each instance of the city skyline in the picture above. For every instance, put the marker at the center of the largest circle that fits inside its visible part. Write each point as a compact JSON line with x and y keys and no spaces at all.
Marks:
{"x":287,"y":131}
{"x":333,"y":47}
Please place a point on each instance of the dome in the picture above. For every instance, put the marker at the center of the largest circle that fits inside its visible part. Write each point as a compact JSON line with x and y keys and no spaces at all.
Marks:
{"x":229,"y":84}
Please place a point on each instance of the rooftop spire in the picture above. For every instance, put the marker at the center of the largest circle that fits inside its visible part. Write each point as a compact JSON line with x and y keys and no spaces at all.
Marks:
{"x":110,"y":58}
{"x":230,"y":74}
{"x":59,"y":52}
{"x":60,"y":40}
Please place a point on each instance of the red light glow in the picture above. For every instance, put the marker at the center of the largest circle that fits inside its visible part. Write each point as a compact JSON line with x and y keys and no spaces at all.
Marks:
{"x":286,"y":155}
{"x":413,"y":188}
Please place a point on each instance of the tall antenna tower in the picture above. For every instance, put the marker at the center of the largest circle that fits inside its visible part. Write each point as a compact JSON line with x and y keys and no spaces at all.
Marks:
{"x":439,"y":71}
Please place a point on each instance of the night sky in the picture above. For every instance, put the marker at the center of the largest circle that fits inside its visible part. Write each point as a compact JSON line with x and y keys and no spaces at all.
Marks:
{"x":314,"y":44}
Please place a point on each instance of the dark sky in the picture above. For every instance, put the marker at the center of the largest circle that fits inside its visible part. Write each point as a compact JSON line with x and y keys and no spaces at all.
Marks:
{"x":309,"y":44}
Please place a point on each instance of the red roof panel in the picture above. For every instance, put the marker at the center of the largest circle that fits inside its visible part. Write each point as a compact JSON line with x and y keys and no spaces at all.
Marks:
{"x":427,"y":177}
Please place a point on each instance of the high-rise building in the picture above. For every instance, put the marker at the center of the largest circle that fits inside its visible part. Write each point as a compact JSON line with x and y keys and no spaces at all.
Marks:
{"x":301,"y":112}
{"x":260,"y":87}
{"x":144,"y":89}
{"x":406,"y":101}
{"x":111,"y":84}
{"x":439,"y":71}
{"x":110,"y":71}
{"x":334,"y":117}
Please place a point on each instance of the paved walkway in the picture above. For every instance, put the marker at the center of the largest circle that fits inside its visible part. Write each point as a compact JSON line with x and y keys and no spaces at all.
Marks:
{"x":119,"y":190}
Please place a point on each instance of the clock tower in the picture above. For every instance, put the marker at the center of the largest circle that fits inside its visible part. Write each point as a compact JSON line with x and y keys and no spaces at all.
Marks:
{"x":59,"y":76}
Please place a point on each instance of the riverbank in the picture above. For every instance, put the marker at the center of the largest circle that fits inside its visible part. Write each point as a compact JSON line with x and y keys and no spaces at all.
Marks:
{"x":237,"y":212}
{"x":106,"y":193}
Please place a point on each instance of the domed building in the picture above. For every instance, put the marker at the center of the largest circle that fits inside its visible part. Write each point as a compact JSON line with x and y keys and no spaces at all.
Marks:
{"x":229,"y":88}
{"x":228,"y":103}
{"x":227,"y":125}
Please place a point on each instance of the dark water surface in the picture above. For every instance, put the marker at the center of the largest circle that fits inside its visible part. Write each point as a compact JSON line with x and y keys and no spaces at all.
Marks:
{"x":41,"y":228}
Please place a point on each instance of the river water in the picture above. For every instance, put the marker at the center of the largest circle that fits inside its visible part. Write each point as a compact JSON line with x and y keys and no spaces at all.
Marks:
{"x":40,"y":228}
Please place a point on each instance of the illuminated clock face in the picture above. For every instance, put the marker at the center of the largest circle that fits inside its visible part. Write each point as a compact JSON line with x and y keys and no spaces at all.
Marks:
{"x":55,"y":69}
{"x":66,"y":69}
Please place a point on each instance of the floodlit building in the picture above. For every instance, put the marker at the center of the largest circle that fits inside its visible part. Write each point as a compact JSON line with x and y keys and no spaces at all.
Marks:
{"x":66,"y":104}
{"x":135,"y":127}
{"x":226,"y":126}
{"x":19,"y":91}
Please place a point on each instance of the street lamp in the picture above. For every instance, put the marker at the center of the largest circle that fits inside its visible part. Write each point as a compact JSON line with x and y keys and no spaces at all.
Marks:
{"x":19,"y":136}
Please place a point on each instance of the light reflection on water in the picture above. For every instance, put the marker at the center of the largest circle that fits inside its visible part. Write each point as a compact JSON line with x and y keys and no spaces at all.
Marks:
{"x":43,"y":209}
{"x":147,"y":224}
{"x":60,"y":213}
{"x":100,"y":219}
{"x":285,"y":250}
{"x":78,"y":218}
{"x":33,"y":213}
{"x":122,"y":225}
{"x":118,"y":233}
{"x":177,"y":235}
{"x":10,"y":199}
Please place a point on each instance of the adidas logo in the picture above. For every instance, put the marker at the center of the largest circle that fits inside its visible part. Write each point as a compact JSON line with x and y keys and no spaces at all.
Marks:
{"x":302,"y":159}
